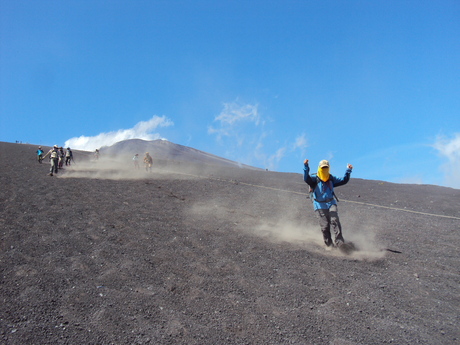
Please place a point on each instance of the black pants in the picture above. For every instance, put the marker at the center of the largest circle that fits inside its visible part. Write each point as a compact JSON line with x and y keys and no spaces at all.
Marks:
{"x":330,"y":218}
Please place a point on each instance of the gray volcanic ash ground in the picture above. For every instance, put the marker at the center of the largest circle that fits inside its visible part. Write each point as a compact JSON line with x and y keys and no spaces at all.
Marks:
{"x":209,"y":254}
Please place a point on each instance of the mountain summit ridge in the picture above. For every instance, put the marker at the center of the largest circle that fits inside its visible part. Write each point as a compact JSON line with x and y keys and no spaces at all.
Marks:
{"x":167,"y":150}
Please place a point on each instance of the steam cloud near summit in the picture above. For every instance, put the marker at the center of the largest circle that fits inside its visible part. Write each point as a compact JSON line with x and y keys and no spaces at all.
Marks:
{"x":142,"y":130}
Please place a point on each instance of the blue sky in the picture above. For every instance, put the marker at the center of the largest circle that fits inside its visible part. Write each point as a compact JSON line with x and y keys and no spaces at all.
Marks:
{"x":267,"y":83}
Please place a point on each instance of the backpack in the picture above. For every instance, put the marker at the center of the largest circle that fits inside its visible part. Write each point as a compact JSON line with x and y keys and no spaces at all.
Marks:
{"x":312,"y":190}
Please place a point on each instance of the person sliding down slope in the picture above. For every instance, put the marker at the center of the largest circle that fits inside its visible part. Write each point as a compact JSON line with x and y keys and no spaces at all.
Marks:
{"x":322,"y":194}
{"x":148,"y":162}
{"x":54,"y":159}
{"x":40,"y":154}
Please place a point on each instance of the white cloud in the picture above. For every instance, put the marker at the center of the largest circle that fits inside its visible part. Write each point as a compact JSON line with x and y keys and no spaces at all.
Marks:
{"x":300,"y":142}
{"x":233,"y":119}
{"x":274,"y":159}
{"x":301,"y":145}
{"x":450,"y":149}
{"x":233,"y":113}
{"x":142,"y":130}
{"x":241,"y":129}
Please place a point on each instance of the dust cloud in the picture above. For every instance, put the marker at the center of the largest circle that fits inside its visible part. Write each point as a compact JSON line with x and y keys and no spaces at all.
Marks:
{"x":364,"y":236}
{"x":114,"y":168}
{"x":273,"y":216}
{"x":121,"y":167}
{"x":309,"y":236}
{"x":284,"y":219}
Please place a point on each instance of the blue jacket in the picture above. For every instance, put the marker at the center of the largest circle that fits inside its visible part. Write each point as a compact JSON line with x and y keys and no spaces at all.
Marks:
{"x":323,"y":192}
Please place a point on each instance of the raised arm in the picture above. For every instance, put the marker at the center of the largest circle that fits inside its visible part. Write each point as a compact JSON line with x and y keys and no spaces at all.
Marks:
{"x":306,"y":174}
{"x":344,"y":180}
{"x":47,"y":154}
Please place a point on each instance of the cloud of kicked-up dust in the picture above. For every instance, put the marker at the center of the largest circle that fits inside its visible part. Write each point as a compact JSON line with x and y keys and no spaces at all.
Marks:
{"x":122,"y":167}
{"x":291,"y":232}
{"x":271,"y":214}
{"x":113,"y":168}
{"x":364,"y":236}
{"x":288,"y":220}
{"x":299,"y":226}
{"x":271,"y":227}
{"x":306,"y":233}
{"x":283,"y":218}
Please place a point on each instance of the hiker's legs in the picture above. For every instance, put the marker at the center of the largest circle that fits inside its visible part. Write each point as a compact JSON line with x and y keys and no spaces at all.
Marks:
{"x":54,"y":165}
{"x":336,"y":227}
{"x":325,"y":224}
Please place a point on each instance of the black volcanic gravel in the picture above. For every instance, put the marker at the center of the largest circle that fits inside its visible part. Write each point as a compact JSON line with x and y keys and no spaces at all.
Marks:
{"x":195,"y":254}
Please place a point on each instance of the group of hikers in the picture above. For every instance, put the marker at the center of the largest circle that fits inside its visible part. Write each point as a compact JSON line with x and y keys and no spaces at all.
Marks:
{"x":148,"y":162}
{"x":57,"y":157}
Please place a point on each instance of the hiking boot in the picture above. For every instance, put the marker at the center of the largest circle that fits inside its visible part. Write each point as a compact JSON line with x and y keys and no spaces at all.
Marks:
{"x":346,"y":248}
{"x":50,"y":174}
{"x":339,"y":244}
{"x":328,"y":242}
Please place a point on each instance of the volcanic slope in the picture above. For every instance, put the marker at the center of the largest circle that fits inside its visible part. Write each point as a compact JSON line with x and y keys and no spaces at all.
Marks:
{"x":165,"y":150}
{"x":105,"y":254}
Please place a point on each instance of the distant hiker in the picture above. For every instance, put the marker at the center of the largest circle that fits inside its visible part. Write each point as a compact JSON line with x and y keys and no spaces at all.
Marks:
{"x":136,"y":161}
{"x":68,"y":156}
{"x":322,"y":194}
{"x":61,"y":157}
{"x":148,"y":162}
{"x":54,"y":159}
{"x":40,"y":154}
{"x":96,"y":154}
